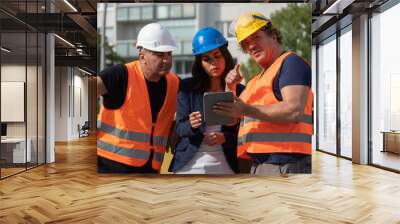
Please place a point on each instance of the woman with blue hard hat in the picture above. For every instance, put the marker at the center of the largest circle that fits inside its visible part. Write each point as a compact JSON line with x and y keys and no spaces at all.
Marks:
{"x":205,"y":149}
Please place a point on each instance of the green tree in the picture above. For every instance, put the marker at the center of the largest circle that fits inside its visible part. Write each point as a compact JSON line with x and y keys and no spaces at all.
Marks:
{"x":249,"y":69}
{"x":294,"y":24}
{"x":112,"y":57}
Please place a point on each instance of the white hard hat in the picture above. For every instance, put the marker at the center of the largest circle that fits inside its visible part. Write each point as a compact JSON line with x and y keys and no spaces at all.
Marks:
{"x":155,"y":37}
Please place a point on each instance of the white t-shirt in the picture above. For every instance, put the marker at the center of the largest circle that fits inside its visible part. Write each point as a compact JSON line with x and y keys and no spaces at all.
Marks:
{"x":207,"y":148}
{"x":208,"y":160}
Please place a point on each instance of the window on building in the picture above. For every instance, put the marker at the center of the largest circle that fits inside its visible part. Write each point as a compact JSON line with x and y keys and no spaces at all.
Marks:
{"x":147,"y":12}
{"x":223,"y":27}
{"x":175,"y":11}
{"x":189,"y":10}
{"x":178,"y":67}
{"x":183,"y":67}
{"x":134,"y":13}
{"x":346,"y":75}
{"x":122,"y":14}
{"x":162,"y":12}
{"x":182,"y":32}
{"x":122,"y":49}
{"x":188,"y":67}
{"x":132,"y":51}
{"x":327,"y":95}
{"x":179,"y":48}
{"x":385,"y":88}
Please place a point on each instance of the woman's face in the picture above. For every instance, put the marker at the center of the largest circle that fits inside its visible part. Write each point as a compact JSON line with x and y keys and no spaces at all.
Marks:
{"x":213,"y":63}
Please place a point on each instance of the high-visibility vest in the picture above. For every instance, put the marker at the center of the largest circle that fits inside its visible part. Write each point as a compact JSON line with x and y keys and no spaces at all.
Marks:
{"x":258,"y":136}
{"x":127,"y":135}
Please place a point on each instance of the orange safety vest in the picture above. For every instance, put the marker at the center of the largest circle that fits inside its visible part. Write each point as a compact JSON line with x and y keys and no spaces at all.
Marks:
{"x":257,"y":136}
{"x":127,"y":135}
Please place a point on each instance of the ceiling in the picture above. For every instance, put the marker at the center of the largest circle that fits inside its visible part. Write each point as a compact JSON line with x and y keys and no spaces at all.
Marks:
{"x":328,"y":15}
{"x":76,"y":25}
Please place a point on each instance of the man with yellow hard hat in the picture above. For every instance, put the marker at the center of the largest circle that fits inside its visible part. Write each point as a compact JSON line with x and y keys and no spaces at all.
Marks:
{"x":275,"y":109}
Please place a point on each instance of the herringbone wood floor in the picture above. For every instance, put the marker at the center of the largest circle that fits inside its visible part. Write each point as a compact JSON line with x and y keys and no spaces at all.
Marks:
{"x":71,"y":191}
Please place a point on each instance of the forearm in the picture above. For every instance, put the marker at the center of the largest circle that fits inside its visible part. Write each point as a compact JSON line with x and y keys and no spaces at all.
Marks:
{"x":101,"y":88}
{"x":279,"y":112}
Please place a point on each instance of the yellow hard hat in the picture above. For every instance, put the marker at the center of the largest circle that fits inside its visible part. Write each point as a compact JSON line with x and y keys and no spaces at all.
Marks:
{"x":248,"y":23}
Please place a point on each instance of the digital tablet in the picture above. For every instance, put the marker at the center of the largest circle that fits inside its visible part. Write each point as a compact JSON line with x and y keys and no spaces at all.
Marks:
{"x":209,"y":100}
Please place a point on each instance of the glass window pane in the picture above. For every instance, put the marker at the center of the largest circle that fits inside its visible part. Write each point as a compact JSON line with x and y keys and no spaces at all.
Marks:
{"x":188,"y":67}
{"x":134,"y":13}
{"x":314,"y":86}
{"x":147,"y":12}
{"x":188,"y":10}
{"x":385,"y":88}
{"x":41,"y":99}
{"x":327,"y":97}
{"x":14,"y":69}
{"x":226,"y":29}
{"x":162,"y":12}
{"x":178,"y":67}
{"x":31,"y":88}
{"x":182,"y":32}
{"x":122,"y":14}
{"x":122,"y":50}
{"x":346,"y":94}
{"x":133,"y":52}
{"x":175,"y":11}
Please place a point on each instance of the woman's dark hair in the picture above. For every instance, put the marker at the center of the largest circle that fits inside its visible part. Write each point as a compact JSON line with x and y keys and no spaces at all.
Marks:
{"x":201,"y":80}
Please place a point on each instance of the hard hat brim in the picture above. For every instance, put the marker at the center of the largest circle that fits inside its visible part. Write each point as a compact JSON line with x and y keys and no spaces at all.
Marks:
{"x":164,"y":48}
{"x":209,"y":48}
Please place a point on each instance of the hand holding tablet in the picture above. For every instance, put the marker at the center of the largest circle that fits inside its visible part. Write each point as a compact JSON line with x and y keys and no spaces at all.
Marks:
{"x":209,"y":100}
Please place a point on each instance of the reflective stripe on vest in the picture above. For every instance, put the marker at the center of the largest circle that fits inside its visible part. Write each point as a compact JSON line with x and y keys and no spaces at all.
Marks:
{"x":134,"y":136}
{"x":128,"y":152}
{"x":132,"y":153}
{"x":274,"y":137}
{"x":161,"y":141}
{"x":159,"y":157}
{"x":127,"y":134}
{"x":261,"y":136}
{"x":308,"y":119}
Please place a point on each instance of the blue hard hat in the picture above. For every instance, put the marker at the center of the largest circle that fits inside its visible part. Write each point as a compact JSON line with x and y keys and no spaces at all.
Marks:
{"x":207,"y":39}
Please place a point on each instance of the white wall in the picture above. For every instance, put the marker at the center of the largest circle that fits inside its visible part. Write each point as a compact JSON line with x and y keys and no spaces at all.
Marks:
{"x":71,"y":94}
{"x":16,"y":73}
{"x":346,"y":94}
{"x":327,"y":96}
{"x":33,"y":126}
{"x":385,"y":74}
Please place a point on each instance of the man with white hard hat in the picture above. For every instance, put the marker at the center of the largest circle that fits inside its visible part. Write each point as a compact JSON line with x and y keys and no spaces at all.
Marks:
{"x":139,"y":103}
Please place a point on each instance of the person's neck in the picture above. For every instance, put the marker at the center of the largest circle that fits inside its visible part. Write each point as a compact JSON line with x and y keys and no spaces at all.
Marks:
{"x":149,"y":76}
{"x":152,"y":78}
{"x":279,"y":51}
{"x":215,"y":85}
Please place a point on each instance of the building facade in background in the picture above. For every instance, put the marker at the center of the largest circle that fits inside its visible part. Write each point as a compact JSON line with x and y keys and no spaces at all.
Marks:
{"x":124,"y":20}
